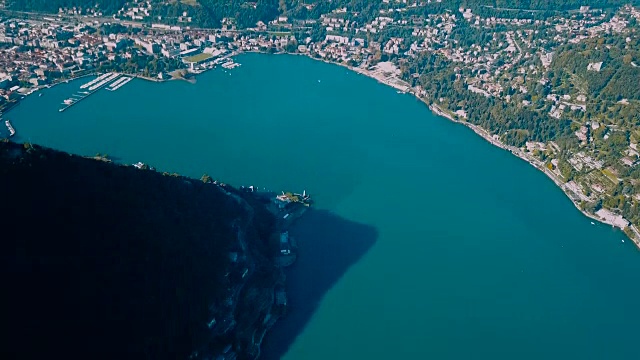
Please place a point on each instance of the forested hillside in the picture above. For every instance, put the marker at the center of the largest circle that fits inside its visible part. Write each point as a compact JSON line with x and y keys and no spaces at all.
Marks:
{"x":548,"y":4}
{"x":247,"y":13}
{"x":618,"y":77}
{"x":103,"y":261}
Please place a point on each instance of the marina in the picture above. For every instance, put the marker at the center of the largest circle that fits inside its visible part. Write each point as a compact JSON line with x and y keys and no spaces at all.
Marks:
{"x":230,"y":65}
{"x":96,"y":80}
{"x":93,"y":86}
{"x":119,"y":83}
{"x":103,"y":82}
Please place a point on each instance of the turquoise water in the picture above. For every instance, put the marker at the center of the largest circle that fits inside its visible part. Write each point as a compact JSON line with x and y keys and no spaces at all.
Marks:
{"x":427,"y":241}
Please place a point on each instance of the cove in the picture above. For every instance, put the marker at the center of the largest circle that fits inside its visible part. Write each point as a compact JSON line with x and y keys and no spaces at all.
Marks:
{"x":426,"y":241}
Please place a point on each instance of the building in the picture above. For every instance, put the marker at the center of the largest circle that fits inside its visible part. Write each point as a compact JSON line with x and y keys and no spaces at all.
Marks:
{"x":337,"y":38}
{"x":115,"y":45}
{"x":149,"y":47}
{"x":282,"y":201}
{"x":171,"y":51}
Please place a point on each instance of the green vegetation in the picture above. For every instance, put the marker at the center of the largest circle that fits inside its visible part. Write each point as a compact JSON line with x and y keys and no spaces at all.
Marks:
{"x":611,"y":176}
{"x":198,"y":58}
{"x":52,"y":6}
{"x":142,"y":64}
{"x":577,"y":98}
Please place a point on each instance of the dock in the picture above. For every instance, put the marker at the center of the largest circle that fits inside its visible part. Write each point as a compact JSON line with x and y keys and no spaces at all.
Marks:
{"x":89,"y":89}
{"x":230,"y":65}
{"x":12,"y":131}
{"x":95,"y":81}
{"x":119,"y":83}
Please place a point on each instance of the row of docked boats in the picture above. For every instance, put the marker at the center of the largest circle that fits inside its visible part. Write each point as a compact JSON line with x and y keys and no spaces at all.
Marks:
{"x":103,"y":82}
{"x":119,"y":83}
{"x":94,"y":85}
{"x":96,"y":80}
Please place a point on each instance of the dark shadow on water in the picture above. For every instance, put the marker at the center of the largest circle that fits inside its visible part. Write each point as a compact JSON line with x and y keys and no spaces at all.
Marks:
{"x":328,"y":246}
{"x":108,"y":262}
{"x":115,"y":159}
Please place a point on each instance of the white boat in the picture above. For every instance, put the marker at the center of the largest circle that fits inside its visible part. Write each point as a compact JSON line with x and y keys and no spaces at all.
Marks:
{"x":68,"y":102}
{"x":12,"y":131}
{"x":592,"y":223}
{"x":622,"y":240}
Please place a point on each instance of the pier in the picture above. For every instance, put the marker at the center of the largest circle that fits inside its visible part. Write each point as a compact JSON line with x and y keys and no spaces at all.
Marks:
{"x":12,"y":131}
{"x":91,"y":88}
{"x":95,"y":81}
{"x":119,"y":83}
{"x":230,"y":65}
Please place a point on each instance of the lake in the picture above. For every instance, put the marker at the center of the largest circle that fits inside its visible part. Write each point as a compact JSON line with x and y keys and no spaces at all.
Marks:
{"x":425,"y":240}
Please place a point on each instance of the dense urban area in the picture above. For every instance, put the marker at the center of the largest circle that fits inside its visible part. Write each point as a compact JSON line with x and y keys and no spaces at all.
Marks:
{"x":554,"y":82}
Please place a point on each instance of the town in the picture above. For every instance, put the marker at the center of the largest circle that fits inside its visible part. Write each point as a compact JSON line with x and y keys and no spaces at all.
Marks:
{"x":488,"y":58}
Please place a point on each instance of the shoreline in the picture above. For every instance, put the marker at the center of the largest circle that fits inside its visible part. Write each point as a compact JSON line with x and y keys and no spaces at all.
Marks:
{"x":518,"y":153}
{"x":435,"y":108}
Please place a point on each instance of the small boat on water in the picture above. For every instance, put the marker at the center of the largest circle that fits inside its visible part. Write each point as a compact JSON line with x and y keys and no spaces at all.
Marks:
{"x":622,"y":240}
{"x":592,"y":223}
{"x":68,"y":102}
{"x":39,"y":94}
{"x":12,"y":131}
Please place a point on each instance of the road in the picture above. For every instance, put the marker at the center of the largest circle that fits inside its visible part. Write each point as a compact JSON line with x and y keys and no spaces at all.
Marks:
{"x":73,"y":19}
